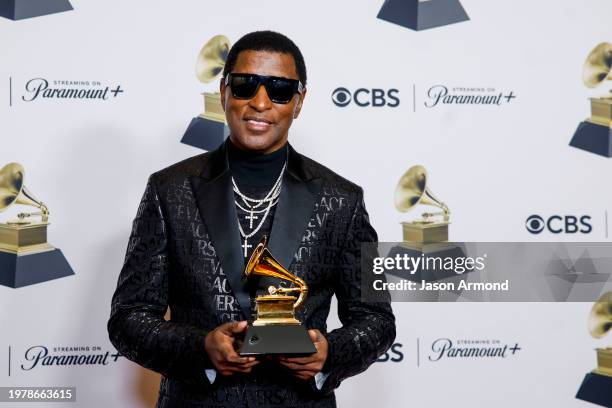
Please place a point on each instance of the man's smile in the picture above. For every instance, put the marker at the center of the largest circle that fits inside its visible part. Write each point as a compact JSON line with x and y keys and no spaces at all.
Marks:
{"x":258,"y":124}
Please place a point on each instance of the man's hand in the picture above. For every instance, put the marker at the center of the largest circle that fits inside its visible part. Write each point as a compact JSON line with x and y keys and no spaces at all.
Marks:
{"x":219,"y":345}
{"x":305,"y":368}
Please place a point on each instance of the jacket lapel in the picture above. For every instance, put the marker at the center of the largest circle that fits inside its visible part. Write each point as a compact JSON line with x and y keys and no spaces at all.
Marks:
{"x":215,"y":199}
{"x":298,"y":195}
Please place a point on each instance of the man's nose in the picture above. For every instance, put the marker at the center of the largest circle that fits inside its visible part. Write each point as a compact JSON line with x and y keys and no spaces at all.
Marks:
{"x":260,"y":101}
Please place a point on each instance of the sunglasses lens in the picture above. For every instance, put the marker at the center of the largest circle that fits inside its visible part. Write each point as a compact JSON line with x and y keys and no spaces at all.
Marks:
{"x":244,"y":86}
{"x":280,"y":90}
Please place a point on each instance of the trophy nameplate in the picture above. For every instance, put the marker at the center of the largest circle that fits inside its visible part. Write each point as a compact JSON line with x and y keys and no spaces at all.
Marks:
{"x":208,"y":130}
{"x":422,"y":14}
{"x":597,"y":385}
{"x":276,"y":329}
{"x":25,"y":256}
{"x":595,"y":133}
{"x":21,"y":9}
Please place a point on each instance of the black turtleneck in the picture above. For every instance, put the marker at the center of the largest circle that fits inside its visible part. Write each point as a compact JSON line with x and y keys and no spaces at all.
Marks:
{"x":255,"y":169}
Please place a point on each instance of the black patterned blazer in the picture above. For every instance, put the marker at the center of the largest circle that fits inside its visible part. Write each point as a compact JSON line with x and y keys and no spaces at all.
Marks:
{"x":185,"y":253}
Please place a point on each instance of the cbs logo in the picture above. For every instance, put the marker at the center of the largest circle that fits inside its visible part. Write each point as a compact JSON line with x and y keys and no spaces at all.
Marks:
{"x":557,"y":224}
{"x":364,"y":97}
{"x":394,"y":354}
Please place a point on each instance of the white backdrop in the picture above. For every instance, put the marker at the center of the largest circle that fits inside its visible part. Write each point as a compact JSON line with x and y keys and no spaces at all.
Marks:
{"x":493,"y":165}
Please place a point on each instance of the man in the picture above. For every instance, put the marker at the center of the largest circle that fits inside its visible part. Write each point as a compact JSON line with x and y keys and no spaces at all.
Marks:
{"x":198,"y":222}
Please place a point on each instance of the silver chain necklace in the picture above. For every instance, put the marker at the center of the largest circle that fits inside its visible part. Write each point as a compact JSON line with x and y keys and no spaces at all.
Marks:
{"x":271,"y":199}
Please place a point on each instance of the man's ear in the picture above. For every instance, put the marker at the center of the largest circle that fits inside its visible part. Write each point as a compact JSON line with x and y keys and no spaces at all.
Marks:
{"x":298,"y":106}
{"x":222,"y":88}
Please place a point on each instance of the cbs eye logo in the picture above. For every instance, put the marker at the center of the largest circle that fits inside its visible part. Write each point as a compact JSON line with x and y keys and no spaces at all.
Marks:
{"x":557,"y":224}
{"x":364,"y":97}
{"x":535,"y":224}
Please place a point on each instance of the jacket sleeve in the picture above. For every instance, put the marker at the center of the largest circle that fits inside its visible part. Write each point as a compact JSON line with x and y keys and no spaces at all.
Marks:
{"x":368,"y":328}
{"x":137,"y":327}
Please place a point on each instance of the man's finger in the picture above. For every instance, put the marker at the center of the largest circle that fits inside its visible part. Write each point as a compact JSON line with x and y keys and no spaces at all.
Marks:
{"x":230,"y":355}
{"x":300,"y":367}
{"x":235,"y":359}
{"x":245,"y":365}
{"x":315,"y":335}
{"x":234,"y":327}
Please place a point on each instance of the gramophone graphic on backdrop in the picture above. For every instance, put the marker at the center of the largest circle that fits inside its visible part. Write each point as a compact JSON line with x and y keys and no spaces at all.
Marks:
{"x":428,"y":235}
{"x":208,"y":130}
{"x":595,"y":133}
{"x":22,"y":9}
{"x":597,"y":385}
{"x":25,"y":256}
{"x":422,"y":14}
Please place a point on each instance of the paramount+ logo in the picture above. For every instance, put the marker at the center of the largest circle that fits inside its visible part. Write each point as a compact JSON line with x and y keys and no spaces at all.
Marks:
{"x":366,"y":97}
{"x":559,"y":224}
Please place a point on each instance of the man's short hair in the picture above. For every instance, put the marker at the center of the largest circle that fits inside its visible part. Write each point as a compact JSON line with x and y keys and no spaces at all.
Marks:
{"x":270,"y":41}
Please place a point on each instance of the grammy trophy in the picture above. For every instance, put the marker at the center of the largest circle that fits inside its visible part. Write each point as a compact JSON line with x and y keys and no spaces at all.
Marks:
{"x":276,"y":329}
{"x":208,"y":130}
{"x":25,"y":256}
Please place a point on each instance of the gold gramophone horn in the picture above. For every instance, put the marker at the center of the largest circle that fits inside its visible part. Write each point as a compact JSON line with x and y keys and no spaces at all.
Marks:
{"x":412,"y":190}
{"x":211,"y":58}
{"x":262,"y":263}
{"x":13,"y":190}
{"x":600,"y":318}
{"x":598,"y":65}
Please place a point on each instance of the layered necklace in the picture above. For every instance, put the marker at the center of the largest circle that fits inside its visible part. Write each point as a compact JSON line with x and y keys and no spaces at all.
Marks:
{"x":254,"y":206}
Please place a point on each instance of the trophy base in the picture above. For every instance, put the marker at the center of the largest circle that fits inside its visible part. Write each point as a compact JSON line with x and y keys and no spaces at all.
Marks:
{"x":22,"y":270}
{"x":594,"y":138}
{"x":206,"y":134}
{"x":421,"y":15}
{"x":289,"y":340}
{"x":595,"y":388}
{"x":21,"y":9}
{"x":441,"y":250}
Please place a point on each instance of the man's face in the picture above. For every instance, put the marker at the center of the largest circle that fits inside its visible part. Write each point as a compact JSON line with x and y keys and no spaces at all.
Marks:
{"x":258,"y":123}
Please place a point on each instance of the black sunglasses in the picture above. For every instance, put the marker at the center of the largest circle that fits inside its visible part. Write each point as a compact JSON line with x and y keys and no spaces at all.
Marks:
{"x":279,"y":89}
